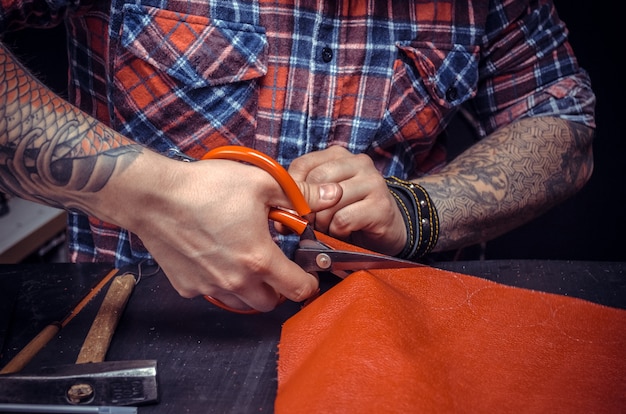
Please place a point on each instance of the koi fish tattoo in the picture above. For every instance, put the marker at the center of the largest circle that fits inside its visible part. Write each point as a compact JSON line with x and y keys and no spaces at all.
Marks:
{"x":50,"y":151}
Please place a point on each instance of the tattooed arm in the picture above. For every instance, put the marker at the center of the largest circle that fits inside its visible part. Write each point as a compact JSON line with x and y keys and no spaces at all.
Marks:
{"x":50,"y":152}
{"x":204,"y":222}
{"x":509,"y":178}
{"x":501,"y":182}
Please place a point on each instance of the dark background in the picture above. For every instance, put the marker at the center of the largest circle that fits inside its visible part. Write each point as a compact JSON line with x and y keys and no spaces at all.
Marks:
{"x":589,"y":226}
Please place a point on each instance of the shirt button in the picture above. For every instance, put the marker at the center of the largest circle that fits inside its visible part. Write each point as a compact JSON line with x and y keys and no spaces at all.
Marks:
{"x":451,"y":94}
{"x":327,"y":54}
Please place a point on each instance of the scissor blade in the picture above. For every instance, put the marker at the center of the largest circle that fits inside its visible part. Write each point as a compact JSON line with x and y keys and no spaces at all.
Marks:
{"x":319,"y":260}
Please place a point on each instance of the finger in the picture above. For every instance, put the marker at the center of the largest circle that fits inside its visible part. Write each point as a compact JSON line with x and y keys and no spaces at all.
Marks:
{"x":302,"y":168}
{"x":289,"y":280}
{"x":250,"y":301}
{"x":239,"y":280}
{"x":350,"y":219}
{"x":273,"y":277}
{"x":365,"y":201}
{"x":383,"y":231}
{"x":321,"y":196}
{"x":342,"y":172}
{"x":353,"y":190}
{"x":230,"y":303}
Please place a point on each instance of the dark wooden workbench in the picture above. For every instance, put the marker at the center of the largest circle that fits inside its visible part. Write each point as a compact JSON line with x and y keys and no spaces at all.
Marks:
{"x":211,"y":360}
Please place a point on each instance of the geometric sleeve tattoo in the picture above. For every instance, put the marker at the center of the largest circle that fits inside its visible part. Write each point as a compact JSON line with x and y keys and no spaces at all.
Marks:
{"x":509,"y":178}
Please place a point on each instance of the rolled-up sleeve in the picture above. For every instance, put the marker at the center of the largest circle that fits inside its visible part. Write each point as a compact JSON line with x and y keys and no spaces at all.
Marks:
{"x":529,"y":68}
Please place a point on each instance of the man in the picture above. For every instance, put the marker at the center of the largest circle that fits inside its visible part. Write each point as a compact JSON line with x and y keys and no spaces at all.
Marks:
{"x":354,"y":98}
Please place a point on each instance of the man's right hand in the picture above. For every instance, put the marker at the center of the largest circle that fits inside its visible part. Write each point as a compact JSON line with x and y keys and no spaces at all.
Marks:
{"x":206,"y":224}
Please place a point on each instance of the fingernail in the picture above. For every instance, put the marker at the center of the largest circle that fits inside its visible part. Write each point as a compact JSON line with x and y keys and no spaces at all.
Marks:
{"x":328,"y":192}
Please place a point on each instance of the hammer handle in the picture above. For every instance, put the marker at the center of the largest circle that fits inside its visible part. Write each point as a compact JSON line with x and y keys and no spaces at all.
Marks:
{"x":103,"y":327}
{"x":27,"y":353}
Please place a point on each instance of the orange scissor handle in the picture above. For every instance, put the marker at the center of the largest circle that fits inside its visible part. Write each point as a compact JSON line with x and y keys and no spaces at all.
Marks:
{"x":287,"y":183}
{"x":268,"y":164}
{"x":295,"y":223}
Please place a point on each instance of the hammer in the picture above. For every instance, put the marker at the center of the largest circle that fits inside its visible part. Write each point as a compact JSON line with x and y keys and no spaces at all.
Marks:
{"x":91,"y":381}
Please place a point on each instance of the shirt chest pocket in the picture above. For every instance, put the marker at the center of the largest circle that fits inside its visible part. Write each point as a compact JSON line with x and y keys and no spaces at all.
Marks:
{"x":183,"y":79}
{"x":446,"y":74}
{"x":430,"y":81}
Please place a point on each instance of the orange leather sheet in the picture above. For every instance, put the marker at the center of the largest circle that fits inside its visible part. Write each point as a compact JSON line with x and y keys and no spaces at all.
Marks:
{"x":428,"y":340}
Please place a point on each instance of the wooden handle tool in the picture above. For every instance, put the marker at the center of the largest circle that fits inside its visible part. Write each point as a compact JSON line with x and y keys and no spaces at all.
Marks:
{"x":97,"y":342}
{"x":19,"y":361}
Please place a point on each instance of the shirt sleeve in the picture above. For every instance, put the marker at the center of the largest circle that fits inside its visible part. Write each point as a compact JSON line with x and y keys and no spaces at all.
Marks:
{"x":528,"y":68}
{"x":18,"y":14}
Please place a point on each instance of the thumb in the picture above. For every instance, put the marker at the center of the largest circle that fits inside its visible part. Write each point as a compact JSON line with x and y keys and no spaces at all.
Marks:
{"x":321,"y":196}
{"x":318,"y":196}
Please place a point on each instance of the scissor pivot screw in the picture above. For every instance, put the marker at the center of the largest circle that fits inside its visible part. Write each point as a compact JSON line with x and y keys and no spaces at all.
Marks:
{"x":323,"y":261}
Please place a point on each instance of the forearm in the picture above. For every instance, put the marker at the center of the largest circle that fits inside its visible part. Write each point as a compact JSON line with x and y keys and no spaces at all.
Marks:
{"x":50,"y":152}
{"x":508,"y":178}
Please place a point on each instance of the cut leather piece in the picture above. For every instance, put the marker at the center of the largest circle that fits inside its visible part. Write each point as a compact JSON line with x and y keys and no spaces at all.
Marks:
{"x":428,"y":340}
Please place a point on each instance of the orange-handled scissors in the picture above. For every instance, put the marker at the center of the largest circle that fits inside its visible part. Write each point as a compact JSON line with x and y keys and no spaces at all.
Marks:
{"x":312,"y":255}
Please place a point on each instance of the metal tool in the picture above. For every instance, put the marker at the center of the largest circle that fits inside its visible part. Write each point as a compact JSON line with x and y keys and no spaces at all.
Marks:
{"x":64,"y":409}
{"x":312,"y":255}
{"x":91,"y":381}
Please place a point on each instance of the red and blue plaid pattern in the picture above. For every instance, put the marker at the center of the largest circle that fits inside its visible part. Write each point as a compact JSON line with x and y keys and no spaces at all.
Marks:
{"x":377,"y":77}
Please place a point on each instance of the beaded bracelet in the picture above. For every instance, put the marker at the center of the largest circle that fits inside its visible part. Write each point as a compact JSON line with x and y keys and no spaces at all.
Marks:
{"x":420,"y":217}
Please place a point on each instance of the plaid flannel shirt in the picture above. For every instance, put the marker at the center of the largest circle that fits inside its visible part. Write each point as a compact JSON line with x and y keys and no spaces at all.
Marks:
{"x":376,"y":77}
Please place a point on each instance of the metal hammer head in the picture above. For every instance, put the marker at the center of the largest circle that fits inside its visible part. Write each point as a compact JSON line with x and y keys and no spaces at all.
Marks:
{"x":115,"y":383}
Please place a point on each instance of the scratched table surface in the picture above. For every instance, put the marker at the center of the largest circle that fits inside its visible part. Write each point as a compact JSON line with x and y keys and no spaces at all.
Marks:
{"x":210,"y":360}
